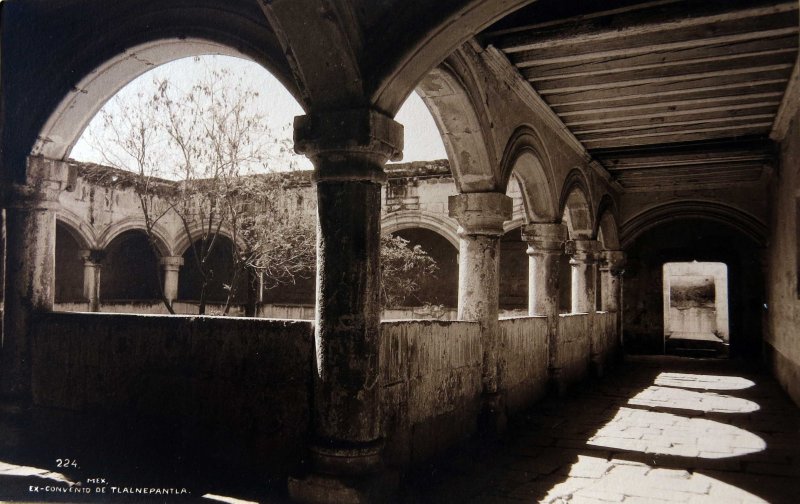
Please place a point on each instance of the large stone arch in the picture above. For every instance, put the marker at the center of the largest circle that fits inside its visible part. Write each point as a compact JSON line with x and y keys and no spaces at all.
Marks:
{"x":607,"y":228}
{"x":195,"y":232}
{"x":161,"y":237}
{"x":526,"y":159}
{"x":77,"y":228}
{"x":740,"y":220}
{"x":576,"y":206}
{"x":99,"y":58}
{"x":462,"y":122}
{"x":407,"y":219}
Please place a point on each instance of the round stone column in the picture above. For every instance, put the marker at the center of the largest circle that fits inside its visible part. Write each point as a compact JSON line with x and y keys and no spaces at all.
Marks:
{"x":348,"y":149}
{"x":545,"y":246}
{"x":612,"y":264}
{"x":172,"y":267}
{"x":92,"y":266}
{"x":30,"y":270}
{"x":481,"y":217}
{"x":583,"y":264}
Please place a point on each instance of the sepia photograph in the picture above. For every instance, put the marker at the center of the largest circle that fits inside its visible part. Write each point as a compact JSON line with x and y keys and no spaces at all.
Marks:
{"x":410,"y":252}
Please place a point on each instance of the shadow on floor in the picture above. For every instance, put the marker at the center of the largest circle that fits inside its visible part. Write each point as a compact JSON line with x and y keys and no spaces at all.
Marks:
{"x":663,"y":428}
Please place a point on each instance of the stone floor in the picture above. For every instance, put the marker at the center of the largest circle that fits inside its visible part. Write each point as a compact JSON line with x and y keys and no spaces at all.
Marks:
{"x":659,"y":430}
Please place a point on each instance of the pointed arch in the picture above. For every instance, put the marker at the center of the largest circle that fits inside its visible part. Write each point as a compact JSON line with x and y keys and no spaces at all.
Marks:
{"x":576,"y":207}
{"x":161,"y":236}
{"x":77,"y":228}
{"x":407,"y":219}
{"x":607,"y":229}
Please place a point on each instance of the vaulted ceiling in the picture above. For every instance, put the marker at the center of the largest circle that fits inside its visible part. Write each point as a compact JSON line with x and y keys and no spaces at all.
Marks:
{"x":665,"y":92}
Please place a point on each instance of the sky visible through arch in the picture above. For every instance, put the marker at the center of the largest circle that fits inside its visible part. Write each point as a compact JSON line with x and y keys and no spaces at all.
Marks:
{"x":422,"y":138}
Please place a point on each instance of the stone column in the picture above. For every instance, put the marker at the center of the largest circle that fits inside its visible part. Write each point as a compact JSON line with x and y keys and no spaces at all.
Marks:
{"x":545,"y":246}
{"x":480,"y":217}
{"x":30,"y":270}
{"x":92,"y":265}
{"x":612,"y":265}
{"x":348,"y":149}
{"x":583,"y":265}
{"x":172,"y":267}
{"x":584,"y":293}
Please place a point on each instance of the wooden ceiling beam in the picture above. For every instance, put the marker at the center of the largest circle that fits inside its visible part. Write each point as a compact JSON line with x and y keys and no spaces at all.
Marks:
{"x":710,"y":87}
{"x":659,"y":20}
{"x":665,"y":69}
{"x":689,"y":135}
{"x":697,"y":40}
{"x":660,"y":78}
{"x":686,"y":113}
{"x":666,"y":162}
{"x":666,"y":106}
{"x":643,"y":61}
{"x":650,"y":126}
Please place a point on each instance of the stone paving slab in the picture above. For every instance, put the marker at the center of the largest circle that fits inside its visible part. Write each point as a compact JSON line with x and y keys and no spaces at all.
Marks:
{"x":658,"y":430}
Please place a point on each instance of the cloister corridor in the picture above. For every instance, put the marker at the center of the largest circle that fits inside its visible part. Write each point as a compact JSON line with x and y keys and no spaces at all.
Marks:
{"x":656,"y":429}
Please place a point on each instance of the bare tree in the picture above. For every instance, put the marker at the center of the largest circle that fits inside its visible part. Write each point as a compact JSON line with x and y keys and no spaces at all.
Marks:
{"x":204,"y":138}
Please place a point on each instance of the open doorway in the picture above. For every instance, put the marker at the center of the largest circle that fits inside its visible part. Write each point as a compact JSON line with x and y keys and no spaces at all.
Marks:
{"x":696,"y":309}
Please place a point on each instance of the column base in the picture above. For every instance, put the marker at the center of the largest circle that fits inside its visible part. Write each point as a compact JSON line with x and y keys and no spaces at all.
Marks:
{"x":325,"y":488}
{"x":493,"y":420}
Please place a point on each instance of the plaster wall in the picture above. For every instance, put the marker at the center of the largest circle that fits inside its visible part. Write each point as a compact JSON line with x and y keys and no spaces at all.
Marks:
{"x":783,"y":315}
{"x":573,"y":347}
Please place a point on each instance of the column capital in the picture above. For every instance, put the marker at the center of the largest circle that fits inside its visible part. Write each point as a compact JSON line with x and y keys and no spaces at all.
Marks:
{"x":544,"y":237}
{"x":171,"y":263}
{"x":348,"y":145}
{"x":45,"y":179}
{"x":480,"y":213}
{"x":613,"y":260}
{"x":92,"y":257}
{"x":582,"y":251}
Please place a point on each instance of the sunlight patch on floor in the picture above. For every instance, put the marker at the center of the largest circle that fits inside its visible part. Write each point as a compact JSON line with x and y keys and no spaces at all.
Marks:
{"x":707,"y":402}
{"x":668,"y":434}
{"x":703,"y":382}
{"x":595,"y":479}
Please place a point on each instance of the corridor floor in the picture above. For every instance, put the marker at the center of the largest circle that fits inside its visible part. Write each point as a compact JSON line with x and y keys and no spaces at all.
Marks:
{"x":662,"y":429}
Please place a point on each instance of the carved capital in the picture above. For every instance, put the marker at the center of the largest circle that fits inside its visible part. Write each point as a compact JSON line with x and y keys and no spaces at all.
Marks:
{"x":172,"y":263}
{"x":613,"y":261}
{"x":544,"y":238}
{"x":348,"y":145}
{"x":480,"y":213}
{"x":93,"y":257}
{"x":583,"y":251}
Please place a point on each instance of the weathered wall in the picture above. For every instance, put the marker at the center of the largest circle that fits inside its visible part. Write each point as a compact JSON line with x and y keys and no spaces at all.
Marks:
{"x":431,"y":374}
{"x":525,"y":359}
{"x":573,"y":347}
{"x":783,"y":316}
{"x":240,"y":388}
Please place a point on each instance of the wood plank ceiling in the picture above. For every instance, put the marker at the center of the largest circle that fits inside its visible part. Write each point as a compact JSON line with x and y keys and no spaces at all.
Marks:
{"x":662,"y":93}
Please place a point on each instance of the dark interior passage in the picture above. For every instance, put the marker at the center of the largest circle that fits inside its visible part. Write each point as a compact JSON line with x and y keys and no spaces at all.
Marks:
{"x":685,"y":241}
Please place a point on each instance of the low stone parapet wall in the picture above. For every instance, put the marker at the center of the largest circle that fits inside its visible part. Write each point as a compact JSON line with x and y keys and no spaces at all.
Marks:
{"x":525,"y":360}
{"x":573,"y":350}
{"x":240,"y":385}
{"x":431,"y":374}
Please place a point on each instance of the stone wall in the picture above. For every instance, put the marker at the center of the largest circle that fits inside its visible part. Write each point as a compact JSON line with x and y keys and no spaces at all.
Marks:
{"x":783,"y":336}
{"x":525,"y":373}
{"x":239,"y":388}
{"x":573,"y":347}
{"x":431,"y":374}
